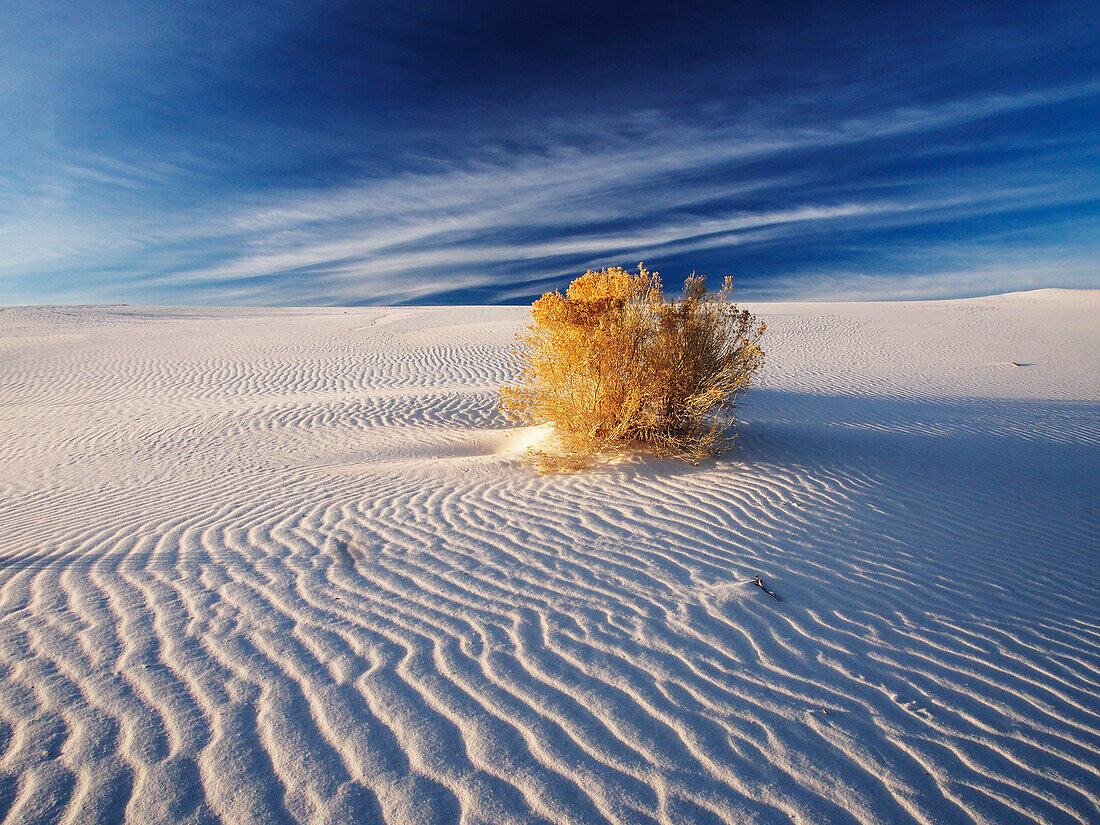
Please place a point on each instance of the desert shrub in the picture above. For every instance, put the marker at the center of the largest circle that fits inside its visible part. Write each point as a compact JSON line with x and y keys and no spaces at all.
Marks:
{"x":614,"y":365}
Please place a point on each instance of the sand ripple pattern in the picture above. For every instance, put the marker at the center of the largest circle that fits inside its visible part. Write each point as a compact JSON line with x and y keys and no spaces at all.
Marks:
{"x":266,"y":566}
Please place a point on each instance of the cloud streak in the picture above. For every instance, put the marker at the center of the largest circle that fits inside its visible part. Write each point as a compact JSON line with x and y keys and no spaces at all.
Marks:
{"x":802,"y":188}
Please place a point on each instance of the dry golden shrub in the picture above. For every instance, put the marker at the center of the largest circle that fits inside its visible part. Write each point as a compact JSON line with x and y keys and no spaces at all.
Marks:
{"x":614,"y":365}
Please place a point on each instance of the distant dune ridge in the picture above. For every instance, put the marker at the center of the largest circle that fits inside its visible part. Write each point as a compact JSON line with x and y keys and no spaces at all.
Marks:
{"x":265,"y":566}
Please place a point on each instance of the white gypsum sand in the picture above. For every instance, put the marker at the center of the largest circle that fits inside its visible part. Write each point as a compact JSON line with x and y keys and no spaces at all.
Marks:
{"x":264,"y":566}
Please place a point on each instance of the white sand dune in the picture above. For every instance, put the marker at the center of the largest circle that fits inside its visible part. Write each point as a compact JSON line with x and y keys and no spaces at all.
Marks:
{"x":262,"y":566}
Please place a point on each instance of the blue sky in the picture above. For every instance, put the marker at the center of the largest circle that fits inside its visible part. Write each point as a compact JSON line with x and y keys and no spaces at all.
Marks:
{"x":485,"y":152}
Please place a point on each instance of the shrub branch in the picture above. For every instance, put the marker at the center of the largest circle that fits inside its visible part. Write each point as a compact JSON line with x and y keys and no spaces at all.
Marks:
{"x":614,"y":365}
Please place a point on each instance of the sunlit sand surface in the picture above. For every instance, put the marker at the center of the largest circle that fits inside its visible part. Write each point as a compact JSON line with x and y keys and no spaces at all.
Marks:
{"x":265,"y":566}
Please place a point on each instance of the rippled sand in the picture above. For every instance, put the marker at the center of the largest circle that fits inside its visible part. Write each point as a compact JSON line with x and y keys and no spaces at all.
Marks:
{"x":264,"y":566}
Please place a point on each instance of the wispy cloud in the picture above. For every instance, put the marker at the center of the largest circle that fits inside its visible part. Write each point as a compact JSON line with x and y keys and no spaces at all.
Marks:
{"x":806,"y":189}
{"x":619,"y":203}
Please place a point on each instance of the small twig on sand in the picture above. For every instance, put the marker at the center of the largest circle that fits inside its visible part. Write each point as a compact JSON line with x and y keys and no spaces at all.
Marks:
{"x":760,"y":584}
